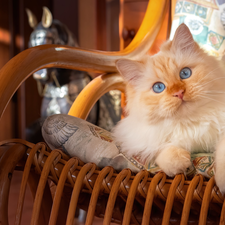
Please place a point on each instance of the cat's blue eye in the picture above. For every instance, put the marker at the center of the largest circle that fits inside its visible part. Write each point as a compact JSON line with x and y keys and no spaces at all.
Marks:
{"x":158,"y":87}
{"x":185,"y":73}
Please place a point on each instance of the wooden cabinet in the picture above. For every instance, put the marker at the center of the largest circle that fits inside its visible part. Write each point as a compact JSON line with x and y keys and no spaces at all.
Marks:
{"x":99,"y":24}
{"x":6,"y":128}
{"x":131,"y":16}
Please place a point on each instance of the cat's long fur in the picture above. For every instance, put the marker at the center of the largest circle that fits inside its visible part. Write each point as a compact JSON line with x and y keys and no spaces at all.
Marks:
{"x":161,"y":126}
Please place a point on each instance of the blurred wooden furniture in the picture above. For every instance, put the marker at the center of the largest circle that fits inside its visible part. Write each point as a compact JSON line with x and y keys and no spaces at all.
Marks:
{"x":132,"y":13}
{"x":60,"y":184}
{"x":117,"y":197}
{"x":24,"y":108}
{"x":131,"y":16}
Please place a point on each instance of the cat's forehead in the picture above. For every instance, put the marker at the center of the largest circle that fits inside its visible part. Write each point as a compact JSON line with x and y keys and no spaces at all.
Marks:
{"x":162,"y":60}
{"x":165,"y":66}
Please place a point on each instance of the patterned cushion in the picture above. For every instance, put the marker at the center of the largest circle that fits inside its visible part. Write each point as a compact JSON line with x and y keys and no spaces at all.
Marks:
{"x":202,"y":163}
{"x":206,"y":21}
{"x":77,"y":137}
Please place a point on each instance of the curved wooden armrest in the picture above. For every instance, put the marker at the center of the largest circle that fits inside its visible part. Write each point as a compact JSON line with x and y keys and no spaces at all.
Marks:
{"x":27,"y":62}
{"x":93,"y":91}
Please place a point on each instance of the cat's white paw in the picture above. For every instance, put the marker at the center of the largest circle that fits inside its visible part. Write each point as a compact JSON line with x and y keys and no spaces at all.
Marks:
{"x":220,"y":181}
{"x":174,"y":160}
{"x":220,"y":166}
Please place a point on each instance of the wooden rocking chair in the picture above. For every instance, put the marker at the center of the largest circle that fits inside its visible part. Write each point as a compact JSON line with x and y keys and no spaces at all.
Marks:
{"x":60,"y":184}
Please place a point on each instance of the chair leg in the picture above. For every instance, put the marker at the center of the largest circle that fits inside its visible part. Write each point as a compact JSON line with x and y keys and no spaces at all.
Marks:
{"x":46,"y":204}
{"x":43,"y":198}
{"x":8,"y":162}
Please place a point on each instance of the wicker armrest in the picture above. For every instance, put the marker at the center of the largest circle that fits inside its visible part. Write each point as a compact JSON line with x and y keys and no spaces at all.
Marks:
{"x":93,"y":91}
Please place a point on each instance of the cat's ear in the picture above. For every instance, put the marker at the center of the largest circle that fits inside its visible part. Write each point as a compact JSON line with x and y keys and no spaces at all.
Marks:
{"x":183,"y":39}
{"x":130,"y":70}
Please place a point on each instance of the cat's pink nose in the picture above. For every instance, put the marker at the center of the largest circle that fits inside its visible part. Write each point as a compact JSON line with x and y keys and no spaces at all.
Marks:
{"x":179,"y":94}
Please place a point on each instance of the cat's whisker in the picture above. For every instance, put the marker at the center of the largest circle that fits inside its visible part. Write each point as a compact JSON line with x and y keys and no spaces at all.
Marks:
{"x":213,"y":93}
{"x":203,"y":96}
{"x":213,"y":80}
{"x":209,"y":73}
{"x":220,"y":92}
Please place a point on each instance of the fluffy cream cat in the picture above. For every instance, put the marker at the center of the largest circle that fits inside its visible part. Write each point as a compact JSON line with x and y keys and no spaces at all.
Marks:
{"x":175,"y":106}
